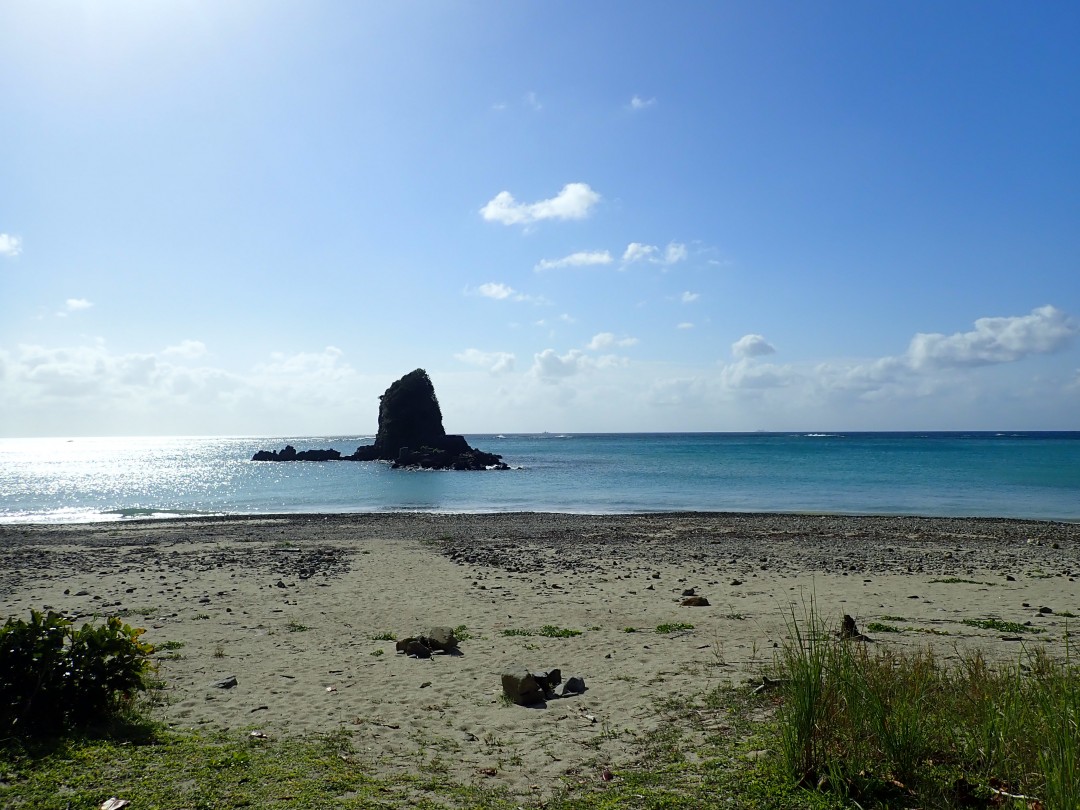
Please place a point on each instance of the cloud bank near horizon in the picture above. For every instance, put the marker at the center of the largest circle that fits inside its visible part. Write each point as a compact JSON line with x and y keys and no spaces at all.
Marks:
{"x":178,"y":389}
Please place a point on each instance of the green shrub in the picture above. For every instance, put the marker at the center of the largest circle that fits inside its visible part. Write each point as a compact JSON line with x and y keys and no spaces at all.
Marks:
{"x":54,"y":676}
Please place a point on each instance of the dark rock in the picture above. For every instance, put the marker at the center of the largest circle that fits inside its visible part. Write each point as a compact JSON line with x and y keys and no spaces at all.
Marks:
{"x":519,"y":685}
{"x":441,"y":639}
{"x":414,"y":647}
{"x":688,"y":592}
{"x":575,"y":685}
{"x":548,"y":680}
{"x":849,"y":630}
{"x":695,"y":601}
{"x":410,"y":434}
{"x":228,"y":682}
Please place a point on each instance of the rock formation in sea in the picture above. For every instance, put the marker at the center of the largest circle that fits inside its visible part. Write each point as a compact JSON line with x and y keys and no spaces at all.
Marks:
{"x":411,"y":434}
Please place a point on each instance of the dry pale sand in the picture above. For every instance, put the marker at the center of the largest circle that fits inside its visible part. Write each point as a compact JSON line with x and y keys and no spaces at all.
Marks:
{"x":292,"y":607}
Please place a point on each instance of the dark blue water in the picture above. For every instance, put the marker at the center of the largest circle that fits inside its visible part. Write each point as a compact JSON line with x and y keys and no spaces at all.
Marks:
{"x":1029,"y":475}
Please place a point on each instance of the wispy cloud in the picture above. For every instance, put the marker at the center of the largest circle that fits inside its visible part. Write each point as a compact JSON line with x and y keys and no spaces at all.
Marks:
{"x":497,"y":291}
{"x":584,"y":258}
{"x":186,"y":350}
{"x":689,"y":297}
{"x":674,"y":253}
{"x":684,"y":325}
{"x":575,"y":201}
{"x":638,"y":103}
{"x":533,"y":101}
{"x":607,"y":340}
{"x":495,"y":362}
{"x":10,"y":246}
{"x":74,"y":305}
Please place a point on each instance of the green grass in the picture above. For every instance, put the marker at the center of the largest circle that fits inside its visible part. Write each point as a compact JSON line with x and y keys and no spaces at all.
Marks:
{"x":385,"y":636}
{"x":169,"y":645}
{"x":553,"y":631}
{"x":547,"y":631}
{"x":885,"y":728}
{"x":1001,"y":626}
{"x":296,"y":627}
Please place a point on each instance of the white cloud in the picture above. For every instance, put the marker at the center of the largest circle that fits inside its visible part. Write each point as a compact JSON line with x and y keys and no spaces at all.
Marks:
{"x":74,"y":305}
{"x":326,"y":365}
{"x":186,"y":350}
{"x":10,"y":245}
{"x":674,"y":253}
{"x":533,"y":101}
{"x":636,"y":252}
{"x":504,"y":292}
{"x":580,"y":259}
{"x":496,"y":290}
{"x":684,"y":325}
{"x":607,"y":340}
{"x":639,"y":103}
{"x":751,"y":346}
{"x":689,"y":297}
{"x":745,"y":373}
{"x":995,"y":340}
{"x":494,"y":362}
{"x":550,"y":366}
{"x":575,"y":201}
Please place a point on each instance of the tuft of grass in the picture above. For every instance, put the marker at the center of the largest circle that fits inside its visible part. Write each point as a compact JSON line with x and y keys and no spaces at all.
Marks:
{"x":461,"y":633}
{"x":959,"y":581}
{"x":860,"y":723}
{"x":516,"y":631}
{"x":384,"y":636}
{"x":169,"y":645}
{"x":296,"y":627}
{"x":673,"y":627}
{"x":1001,"y":626}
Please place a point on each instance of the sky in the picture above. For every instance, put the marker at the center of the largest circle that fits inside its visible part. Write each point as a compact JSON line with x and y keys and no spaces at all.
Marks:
{"x":249,"y":218}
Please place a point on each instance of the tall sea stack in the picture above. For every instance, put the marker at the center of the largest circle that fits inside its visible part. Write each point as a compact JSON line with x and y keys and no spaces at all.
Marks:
{"x":411,"y":434}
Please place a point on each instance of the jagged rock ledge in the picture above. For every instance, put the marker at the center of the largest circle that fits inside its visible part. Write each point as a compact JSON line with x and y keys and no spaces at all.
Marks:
{"x":411,"y":435}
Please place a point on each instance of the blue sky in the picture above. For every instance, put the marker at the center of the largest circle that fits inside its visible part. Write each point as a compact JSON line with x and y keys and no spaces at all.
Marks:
{"x":250,"y":218}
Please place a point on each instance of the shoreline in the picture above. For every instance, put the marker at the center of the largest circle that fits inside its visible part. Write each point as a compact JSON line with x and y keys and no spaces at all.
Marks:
{"x":299,"y":609}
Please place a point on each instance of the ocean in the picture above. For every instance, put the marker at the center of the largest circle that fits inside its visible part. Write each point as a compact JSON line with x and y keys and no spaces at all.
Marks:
{"x":1022,"y":475}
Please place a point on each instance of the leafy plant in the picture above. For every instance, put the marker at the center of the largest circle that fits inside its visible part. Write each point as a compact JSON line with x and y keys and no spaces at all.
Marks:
{"x":553,"y":631}
{"x":54,"y":676}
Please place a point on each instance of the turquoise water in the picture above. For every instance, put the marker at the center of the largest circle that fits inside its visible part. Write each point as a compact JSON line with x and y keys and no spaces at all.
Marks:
{"x":1029,"y":475}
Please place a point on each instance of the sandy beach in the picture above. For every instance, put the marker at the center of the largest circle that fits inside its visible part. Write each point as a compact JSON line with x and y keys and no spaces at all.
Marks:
{"x":301,"y":610}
